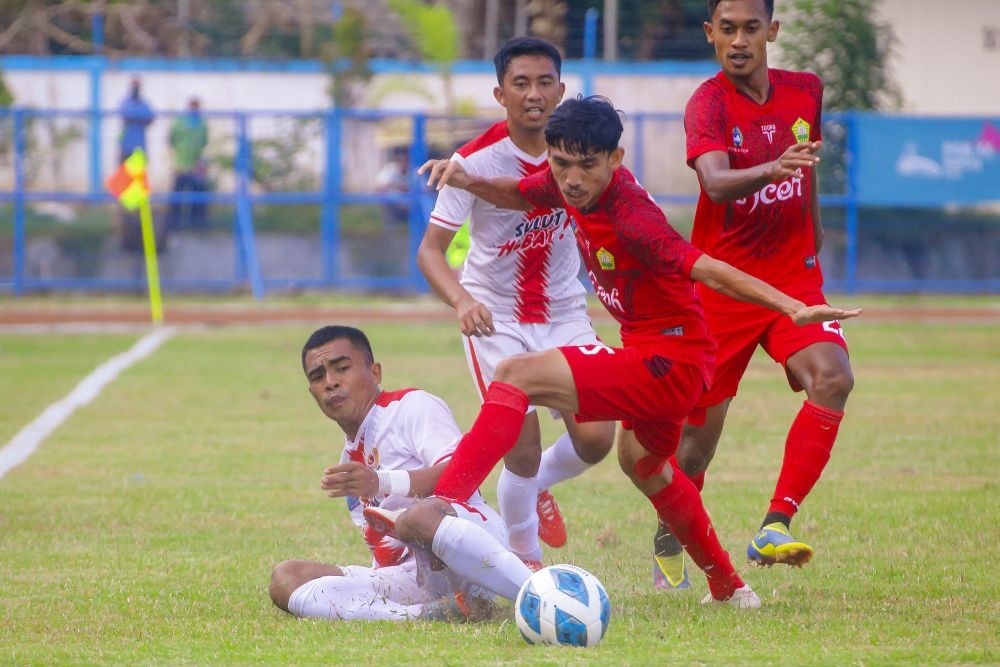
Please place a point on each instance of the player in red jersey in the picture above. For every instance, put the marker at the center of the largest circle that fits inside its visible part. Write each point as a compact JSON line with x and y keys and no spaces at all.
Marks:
{"x":642,"y":270}
{"x":752,"y":136}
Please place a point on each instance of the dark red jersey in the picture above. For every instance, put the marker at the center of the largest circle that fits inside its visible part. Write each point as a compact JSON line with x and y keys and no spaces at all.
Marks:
{"x":768,"y":234}
{"x":639,"y":265}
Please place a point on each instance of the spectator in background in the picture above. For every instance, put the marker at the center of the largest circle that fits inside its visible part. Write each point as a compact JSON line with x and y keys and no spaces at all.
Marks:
{"x":188,"y":138}
{"x":136,"y":116}
{"x":392,"y":178}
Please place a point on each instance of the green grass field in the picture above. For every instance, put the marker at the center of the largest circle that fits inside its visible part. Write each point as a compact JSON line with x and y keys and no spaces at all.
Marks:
{"x":144,"y":529}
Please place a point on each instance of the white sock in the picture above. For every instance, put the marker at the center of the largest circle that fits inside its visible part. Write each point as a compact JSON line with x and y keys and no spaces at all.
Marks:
{"x":559,"y":463}
{"x":517,"y":498}
{"x":474,"y":554}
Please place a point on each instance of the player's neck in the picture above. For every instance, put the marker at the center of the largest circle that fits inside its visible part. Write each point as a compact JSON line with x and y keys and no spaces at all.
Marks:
{"x":531,"y":142}
{"x":756,"y":86}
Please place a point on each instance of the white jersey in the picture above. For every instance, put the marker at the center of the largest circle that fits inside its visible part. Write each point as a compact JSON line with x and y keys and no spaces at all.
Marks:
{"x":523,"y":266}
{"x":404,"y":430}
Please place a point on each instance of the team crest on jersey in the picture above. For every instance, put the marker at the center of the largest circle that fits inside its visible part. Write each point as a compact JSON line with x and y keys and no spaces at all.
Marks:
{"x":606,"y":260}
{"x":800,"y":129}
{"x":737,"y":137}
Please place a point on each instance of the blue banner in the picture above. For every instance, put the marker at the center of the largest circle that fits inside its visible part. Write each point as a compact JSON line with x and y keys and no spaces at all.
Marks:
{"x":908,"y":161}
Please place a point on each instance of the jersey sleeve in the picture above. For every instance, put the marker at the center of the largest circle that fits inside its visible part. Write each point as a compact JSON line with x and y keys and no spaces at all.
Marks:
{"x":453,"y":205}
{"x":541,"y":190}
{"x":430,"y":428}
{"x":643,"y":229}
{"x":705,"y":124}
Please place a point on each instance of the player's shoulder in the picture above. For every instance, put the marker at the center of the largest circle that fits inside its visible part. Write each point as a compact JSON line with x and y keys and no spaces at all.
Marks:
{"x":714,"y":88}
{"x":492,"y":136}
{"x":408,"y":399}
{"x":627,"y":193}
{"x":804,"y":80}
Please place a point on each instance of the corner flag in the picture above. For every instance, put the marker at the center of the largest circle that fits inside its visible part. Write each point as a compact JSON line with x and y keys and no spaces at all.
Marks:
{"x":129,"y":185}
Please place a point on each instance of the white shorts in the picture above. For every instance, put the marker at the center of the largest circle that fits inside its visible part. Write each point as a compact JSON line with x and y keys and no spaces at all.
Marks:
{"x":412,"y":582}
{"x":485,"y":352}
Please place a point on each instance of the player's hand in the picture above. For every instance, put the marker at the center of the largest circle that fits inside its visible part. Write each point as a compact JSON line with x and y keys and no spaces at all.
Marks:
{"x":474,"y":318}
{"x":444,"y":172}
{"x":795,"y":158}
{"x":350,"y":479}
{"x":823,"y":313}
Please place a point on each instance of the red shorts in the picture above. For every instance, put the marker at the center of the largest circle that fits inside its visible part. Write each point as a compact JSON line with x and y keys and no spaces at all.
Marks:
{"x":740,"y":327}
{"x":650,"y":393}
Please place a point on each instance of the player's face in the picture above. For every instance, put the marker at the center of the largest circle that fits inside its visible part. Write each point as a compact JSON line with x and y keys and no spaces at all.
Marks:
{"x":740,"y":31}
{"x":583,"y":177}
{"x":343,"y":383}
{"x":530,"y":92}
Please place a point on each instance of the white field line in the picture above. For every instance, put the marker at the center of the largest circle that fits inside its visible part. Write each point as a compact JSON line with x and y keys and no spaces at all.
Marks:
{"x":22,"y":445}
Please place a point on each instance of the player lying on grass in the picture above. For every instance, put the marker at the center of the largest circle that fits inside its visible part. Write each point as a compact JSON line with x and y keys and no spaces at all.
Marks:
{"x":642,"y":270}
{"x":432,"y":558}
{"x":520,"y":290}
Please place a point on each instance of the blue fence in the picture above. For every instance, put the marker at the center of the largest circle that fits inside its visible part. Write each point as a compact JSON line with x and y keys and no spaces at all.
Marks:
{"x":909,"y":203}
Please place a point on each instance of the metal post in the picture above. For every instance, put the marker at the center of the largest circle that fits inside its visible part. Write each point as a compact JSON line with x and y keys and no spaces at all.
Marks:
{"x":95,"y":72}
{"x":417,"y":220}
{"x":589,"y":50}
{"x":638,"y":154}
{"x":520,"y":18}
{"x":611,"y":30}
{"x":244,"y":208}
{"x":19,"y":212}
{"x":490,"y":28}
{"x":851,"y":214}
{"x":330,"y":212}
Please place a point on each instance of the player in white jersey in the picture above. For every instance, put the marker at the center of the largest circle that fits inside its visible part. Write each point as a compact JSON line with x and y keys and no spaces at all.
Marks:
{"x":432,"y":558}
{"x":519,"y":291}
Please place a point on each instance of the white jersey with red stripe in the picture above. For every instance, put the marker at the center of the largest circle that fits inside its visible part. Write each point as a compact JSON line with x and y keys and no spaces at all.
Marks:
{"x":523,"y":266}
{"x":404,"y":430}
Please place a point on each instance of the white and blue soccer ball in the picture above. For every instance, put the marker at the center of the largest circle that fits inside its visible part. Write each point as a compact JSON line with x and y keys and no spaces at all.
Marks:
{"x":562,"y":604}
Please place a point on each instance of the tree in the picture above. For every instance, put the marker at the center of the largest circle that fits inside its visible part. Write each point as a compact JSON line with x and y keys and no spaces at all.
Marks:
{"x":844,"y":43}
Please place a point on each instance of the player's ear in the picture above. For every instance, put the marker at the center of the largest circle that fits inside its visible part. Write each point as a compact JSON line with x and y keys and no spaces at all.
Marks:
{"x":616,"y":157}
{"x":707,"y":26}
{"x":498,"y":94}
{"x":772,"y":31}
{"x":377,"y":372}
{"x":562,"y":90}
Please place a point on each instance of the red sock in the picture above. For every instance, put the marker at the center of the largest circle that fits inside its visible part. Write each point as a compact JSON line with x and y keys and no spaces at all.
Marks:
{"x":680,"y":506}
{"x":807,"y":451}
{"x":492,"y":435}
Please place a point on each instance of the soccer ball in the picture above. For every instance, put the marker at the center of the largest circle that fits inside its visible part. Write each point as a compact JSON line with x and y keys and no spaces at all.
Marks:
{"x":562,"y":604}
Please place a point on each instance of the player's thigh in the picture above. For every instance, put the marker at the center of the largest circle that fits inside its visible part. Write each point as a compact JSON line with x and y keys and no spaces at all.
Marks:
{"x":784,"y":340}
{"x":737,"y":332}
{"x":321,"y":597}
{"x":544,"y":376}
{"x":634,"y":383}
{"x":568,"y":330}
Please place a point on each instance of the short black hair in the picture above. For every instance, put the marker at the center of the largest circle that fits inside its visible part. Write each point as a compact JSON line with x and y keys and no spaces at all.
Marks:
{"x":326,"y":334}
{"x":525,"y":46}
{"x":585,"y":125}
{"x":714,"y":4}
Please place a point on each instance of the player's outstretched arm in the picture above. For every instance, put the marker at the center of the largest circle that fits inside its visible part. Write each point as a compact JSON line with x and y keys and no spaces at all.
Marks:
{"x":732,"y":282}
{"x":474,"y":318}
{"x":501,"y":192}
{"x":723,"y":184}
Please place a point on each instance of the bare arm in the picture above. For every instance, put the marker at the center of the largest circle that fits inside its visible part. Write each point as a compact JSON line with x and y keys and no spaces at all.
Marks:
{"x":357,"y":479}
{"x":501,"y":192}
{"x":474,"y":318}
{"x":818,"y":232}
{"x":734,"y":283}
{"x":724,"y":184}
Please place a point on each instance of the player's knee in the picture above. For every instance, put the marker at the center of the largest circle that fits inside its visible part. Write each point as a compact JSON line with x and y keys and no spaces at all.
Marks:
{"x":593,"y":444}
{"x":283,"y":583}
{"x":513,"y":370}
{"x":832,"y":385}
{"x":418,"y":523}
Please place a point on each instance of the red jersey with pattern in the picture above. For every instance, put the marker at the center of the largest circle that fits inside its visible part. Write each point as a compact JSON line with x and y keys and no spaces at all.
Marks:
{"x":522,"y":265}
{"x":768,"y":234}
{"x":639,"y":265}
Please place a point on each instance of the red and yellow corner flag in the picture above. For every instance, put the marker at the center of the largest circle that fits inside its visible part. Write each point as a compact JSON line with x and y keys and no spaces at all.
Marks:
{"x":129,"y":182}
{"x":130,"y":186}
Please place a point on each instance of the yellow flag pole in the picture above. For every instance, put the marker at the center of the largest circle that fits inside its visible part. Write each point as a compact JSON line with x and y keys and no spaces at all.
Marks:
{"x":152,"y":270}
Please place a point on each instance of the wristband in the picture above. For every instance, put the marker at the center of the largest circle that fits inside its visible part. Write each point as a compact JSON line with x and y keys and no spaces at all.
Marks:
{"x":393,"y":482}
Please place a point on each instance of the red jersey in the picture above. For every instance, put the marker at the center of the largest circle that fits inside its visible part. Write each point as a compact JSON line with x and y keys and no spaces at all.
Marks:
{"x":639,"y":265}
{"x":768,"y":234}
